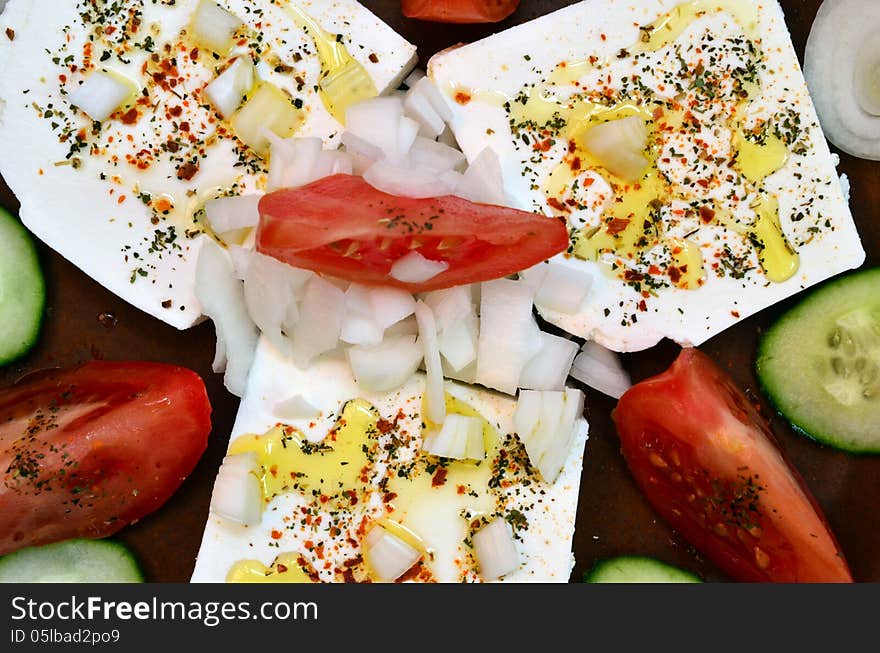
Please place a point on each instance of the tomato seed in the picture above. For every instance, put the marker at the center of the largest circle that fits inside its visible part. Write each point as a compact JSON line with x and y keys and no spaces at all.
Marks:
{"x":761,"y":558}
{"x":657,"y":461}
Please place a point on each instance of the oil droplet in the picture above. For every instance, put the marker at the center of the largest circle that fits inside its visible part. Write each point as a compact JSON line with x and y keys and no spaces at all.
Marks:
{"x":758,"y":160}
{"x":285,"y":569}
{"x":778,"y":258}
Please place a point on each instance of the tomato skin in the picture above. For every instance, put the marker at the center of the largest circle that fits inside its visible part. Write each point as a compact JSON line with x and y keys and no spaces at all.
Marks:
{"x":343,"y":227}
{"x":708,"y":463}
{"x":459,"y":11}
{"x":87,"y":451}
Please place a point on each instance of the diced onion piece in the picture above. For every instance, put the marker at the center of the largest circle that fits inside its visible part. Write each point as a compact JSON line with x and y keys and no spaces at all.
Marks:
{"x":221,"y":295}
{"x":842,"y":69}
{"x":546,"y":423}
{"x":450,"y":305}
{"x":390,"y":305}
{"x":358,"y":329}
{"x":426,"y":88}
{"x":241,"y":257}
{"x":600,"y":369}
{"x":354,"y":144}
{"x":227,"y":91}
{"x":506,"y":334}
{"x":406,"y":181}
{"x":377,"y":122}
{"x":387,"y":555}
{"x":299,"y":161}
{"x":619,"y":146}
{"x":321,"y":312}
{"x":102,"y":93}
{"x":458,"y":343}
{"x":495,"y":550}
{"x":460,"y":437}
{"x":296,"y":407}
{"x":213,"y":26}
{"x":228,"y":213}
{"x":563,"y":289}
{"x":271,"y":292}
{"x":435,"y":396}
{"x":414,"y":77}
{"x":419,"y":108}
{"x":483,"y":181}
{"x":237,"y":495}
{"x":267,"y":109}
{"x":406,"y":327}
{"x":415,"y":268}
{"x":432,"y":155}
{"x":407,"y":132}
{"x":548,"y":369}
{"x":386,"y":366}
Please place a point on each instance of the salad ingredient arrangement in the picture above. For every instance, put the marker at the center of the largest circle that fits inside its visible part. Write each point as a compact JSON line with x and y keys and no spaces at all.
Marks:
{"x":708,"y":463}
{"x":22,"y":290}
{"x":72,"y":561}
{"x":820,"y":363}
{"x":89,"y":450}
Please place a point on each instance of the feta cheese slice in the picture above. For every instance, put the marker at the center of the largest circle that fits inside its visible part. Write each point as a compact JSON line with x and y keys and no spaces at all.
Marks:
{"x":121,"y":199}
{"x":431,"y":513}
{"x":595,"y":50}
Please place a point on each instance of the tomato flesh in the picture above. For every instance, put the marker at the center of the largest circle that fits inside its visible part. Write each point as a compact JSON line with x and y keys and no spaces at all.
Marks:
{"x":86,"y":451}
{"x":459,"y":11}
{"x":708,"y":463}
{"x":343,"y":227}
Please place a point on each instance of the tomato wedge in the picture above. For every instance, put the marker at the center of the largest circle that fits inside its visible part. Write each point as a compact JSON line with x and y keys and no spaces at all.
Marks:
{"x":459,"y":11}
{"x":343,"y":227}
{"x":708,"y":463}
{"x":86,"y":451}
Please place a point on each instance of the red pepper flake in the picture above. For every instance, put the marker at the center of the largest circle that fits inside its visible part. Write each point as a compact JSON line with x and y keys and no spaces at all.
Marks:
{"x":460,"y":489}
{"x":62,"y":78}
{"x":389,"y":497}
{"x":374,"y":58}
{"x":187,"y":171}
{"x":575,"y":164}
{"x":462,"y":98}
{"x":10,"y":33}
{"x":411,"y":573}
{"x":384,"y":426}
{"x":130,"y":117}
{"x":735,"y":314}
{"x":654,"y":270}
{"x":556,"y":204}
{"x":632,"y":275}
{"x":276,"y":535}
{"x":121,"y":199}
{"x":706,"y":214}
{"x":281,"y":568}
{"x":603,"y":37}
{"x":643,"y":306}
{"x":176,"y":111}
{"x":309,"y":545}
{"x":657,"y":114}
{"x":439,"y":477}
{"x":543,"y":146}
{"x":617,"y":225}
{"x":184,"y":126}
{"x":703,"y":182}
{"x":674,"y":274}
{"x":194,"y":54}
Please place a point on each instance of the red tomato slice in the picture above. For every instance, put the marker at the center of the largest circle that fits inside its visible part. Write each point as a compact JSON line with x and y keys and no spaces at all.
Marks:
{"x":459,"y":11}
{"x":343,"y":227}
{"x":708,"y":463}
{"x":86,"y":451}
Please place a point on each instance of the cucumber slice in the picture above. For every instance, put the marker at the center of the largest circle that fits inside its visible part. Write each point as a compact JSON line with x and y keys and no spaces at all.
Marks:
{"x":637,"y":569}
{"x":22,"y":290}
{"x":820,"y":363}
{"x":72,"y":561}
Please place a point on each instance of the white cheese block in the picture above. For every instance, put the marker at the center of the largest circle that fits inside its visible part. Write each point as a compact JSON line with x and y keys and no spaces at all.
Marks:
{"x":545,"y":547}
{"x":108,"y":215}
{"x":814,"y":214}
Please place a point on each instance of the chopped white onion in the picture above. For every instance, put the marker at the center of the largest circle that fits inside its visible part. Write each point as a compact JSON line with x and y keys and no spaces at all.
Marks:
{"x":450,"y":305}
{"x":546,"y":423}
{"x":467,"y":374}
{"x":407,"y":132}
{"x":435,"y":396}
{"x":458,"y":343}
{"x":221,"y":295}
{"x":405,"y":181}
{"x":483,"y":181}
{"x":432,"y":155}
{"x":413,"y":78}
{"x":354,"y":144}
{"x":548,"y":369}
{"x":390,"y":305}
{"x":406,"y":327}
{"x":419,"y":108}
{"x":299,"y":161}
{"x":296,"y":407}
{"x":600,"y":369}
{"x":563,"y":289}
{"x":842,"y":69}
{"x":377,"y":121}
{"x":237,"y":495}
{"x":387,"y":555}
{"x":426,"y":88}
{"x":619,"y":146}
{"x":102,"y":93}
{"x":229,"y":89}
{"x":386,"y":366}
{"x":495,"y":550}
{"x":213,"y":26}
{"x":228,"y":213}
{"x":267,"y":110}
{"x":415,"y":268}
{"x":271,"y":292}
{"x":460,"y":437}
{"x":506,"y":334}
{"x":241,"y":257}
{"x":321,"y":312}
{"x":360,"y":329}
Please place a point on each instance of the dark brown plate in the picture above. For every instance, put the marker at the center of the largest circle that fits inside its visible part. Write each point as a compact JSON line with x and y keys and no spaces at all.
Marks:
{"x":86,"y":321}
